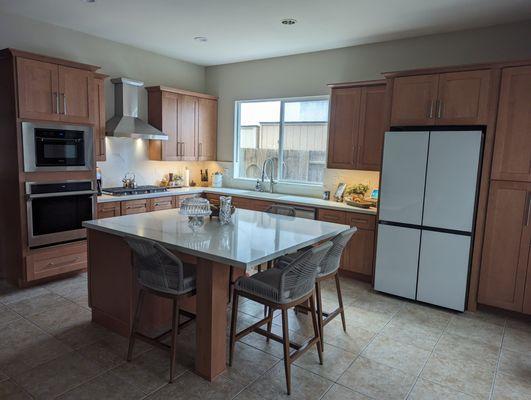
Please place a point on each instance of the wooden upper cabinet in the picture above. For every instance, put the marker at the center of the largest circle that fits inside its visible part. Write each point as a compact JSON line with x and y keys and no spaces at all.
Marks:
{"x":344,"y":126}
{"x":512,"y":144}
{"x":371,"y":128}
{"x":188,"y":116}
{"x":76,"y":88}
{"x":414,"y":100}
{"x":207,"y":129}
{"x":99,"y":117}
{"x":463,"y":98}
{"x":38,"y":89}
{"x":505,"y":261}
{"x":53,"y":92}
{"x":454,"y":98}
{"x":189,"y":120}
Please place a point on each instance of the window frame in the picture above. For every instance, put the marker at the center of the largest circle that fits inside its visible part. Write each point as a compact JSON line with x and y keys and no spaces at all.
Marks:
{"x":282,"y":100}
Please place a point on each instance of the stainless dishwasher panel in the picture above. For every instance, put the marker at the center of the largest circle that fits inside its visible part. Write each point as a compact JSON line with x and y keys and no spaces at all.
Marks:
{"x":305,"y":212}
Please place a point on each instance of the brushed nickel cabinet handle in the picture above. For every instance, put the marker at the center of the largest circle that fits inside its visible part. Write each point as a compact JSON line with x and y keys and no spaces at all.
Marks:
{"x":200,"y":150}
{"x":56,"y":95}
{"x":439,"y":109}
{"x":52,"y":264}
{"x":430,"y":109}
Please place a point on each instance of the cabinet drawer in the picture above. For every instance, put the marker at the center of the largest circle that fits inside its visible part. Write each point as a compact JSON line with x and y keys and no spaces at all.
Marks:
{"x":162,"y":203}
{"x":108,"y":210}
{"x":260,"y":205}
{"x":240,"y":202}
{"x":135,"y":206}
{"x":361,"y":221}
{"x":339,"y":217}
{"x":212,"y":198}
{"x":56,"y":260}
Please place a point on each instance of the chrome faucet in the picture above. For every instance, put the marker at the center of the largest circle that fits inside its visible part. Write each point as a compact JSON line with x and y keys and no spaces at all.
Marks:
{"x":269,"y":161}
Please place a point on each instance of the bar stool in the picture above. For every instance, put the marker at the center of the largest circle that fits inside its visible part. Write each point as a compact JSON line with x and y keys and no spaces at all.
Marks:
{"x":162,"y":273}
{"x":328,"y":269}
{"x":273,"y":209}
{"x":281,"y":289}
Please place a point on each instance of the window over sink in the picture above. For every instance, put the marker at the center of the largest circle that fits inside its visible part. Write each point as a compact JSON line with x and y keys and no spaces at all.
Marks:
{"x":292,"y":131}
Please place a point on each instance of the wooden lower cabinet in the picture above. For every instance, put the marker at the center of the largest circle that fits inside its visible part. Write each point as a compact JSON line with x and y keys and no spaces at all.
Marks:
{"x":260,"y":205}
{"x":135,"y":206}
{"x":108,"y":210}
{"x":179,"y":199}
{"x":358,"y":256}
{"x":241,"y":202}
{"x":55,"y":260}
{"x":505,"y":269}
{"x":162,"y":203}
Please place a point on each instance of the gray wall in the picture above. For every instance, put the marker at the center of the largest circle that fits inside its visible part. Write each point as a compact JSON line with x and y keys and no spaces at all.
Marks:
{"x":308,"y":74}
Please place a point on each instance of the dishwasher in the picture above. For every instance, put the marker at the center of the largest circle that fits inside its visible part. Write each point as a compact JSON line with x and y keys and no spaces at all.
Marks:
{"x":304,"y":212}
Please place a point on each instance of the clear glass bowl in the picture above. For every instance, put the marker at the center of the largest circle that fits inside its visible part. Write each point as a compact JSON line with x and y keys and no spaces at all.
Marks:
{"x":196,"y":209}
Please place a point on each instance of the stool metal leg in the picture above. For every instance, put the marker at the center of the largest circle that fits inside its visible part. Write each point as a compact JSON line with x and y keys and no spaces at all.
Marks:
{"x":174,"y":333}
{"x":136,"y":321}
{"x":340,"y":301}
{"x":285,"y":337}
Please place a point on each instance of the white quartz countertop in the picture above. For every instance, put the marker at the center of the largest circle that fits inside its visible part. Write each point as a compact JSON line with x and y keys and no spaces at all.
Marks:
{"x":276,"y":197}
{"x":252,"y":238}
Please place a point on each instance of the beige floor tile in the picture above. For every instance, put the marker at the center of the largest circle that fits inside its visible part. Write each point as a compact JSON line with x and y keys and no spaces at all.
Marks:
{"x":13,"y":295}
{"x":517,"y":340}
{"x":10,"y":391}
{"x":24,"y":346}
{"x":100,"y":354}
{"x":377,"y":380}
{"x":378,"y":303}
{"x":60,"y":318}
{"x":476,"y":329}
{"x":249,"y":363}
{"x":425,"y":390}
{"x":151,"y":370}
{"x":405,"y":357}
{"x":463,"y":375}
{"x":368,"y":320}
{"x":521,"y":323}
{"x":57,"y":376}
{"x":509,"y":387}
{"x":35,"y":304}
{"x":468,"y":349}
{"x":424,"y":314}
{"x":353,"y":340}
{"x":272,"y":385}
{"x":7,"y":316}
{"x":338,"y":392}
{"x":515,"y":363}
{"x":485,"y":316}
{"x":83,"y":334}
{"x":191,"y":386}
{"x":421,"y":335}
{"x":107,"y":386}
{"x":273,"y":348}
{"x":335,"y":361}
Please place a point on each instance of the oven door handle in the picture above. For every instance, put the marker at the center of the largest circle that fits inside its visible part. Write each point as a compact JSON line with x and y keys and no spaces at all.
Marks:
{"x":60,"y":194}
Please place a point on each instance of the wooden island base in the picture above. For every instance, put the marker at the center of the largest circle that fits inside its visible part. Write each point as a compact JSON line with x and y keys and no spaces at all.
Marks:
{"x":113,"y":293}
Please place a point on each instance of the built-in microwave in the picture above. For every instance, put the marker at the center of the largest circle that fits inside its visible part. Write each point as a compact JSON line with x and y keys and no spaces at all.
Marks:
{"x":57,"y":147}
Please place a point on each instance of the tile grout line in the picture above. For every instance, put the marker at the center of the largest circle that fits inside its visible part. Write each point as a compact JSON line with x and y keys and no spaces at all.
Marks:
{"x":498,"y":361}
{"x":429,"y":357}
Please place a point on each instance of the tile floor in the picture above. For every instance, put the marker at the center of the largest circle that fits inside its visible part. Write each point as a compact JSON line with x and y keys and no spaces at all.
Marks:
{"x":393,"y":349}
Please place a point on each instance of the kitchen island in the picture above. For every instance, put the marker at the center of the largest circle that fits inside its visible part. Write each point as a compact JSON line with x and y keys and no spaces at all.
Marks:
{"x":253,"y":238}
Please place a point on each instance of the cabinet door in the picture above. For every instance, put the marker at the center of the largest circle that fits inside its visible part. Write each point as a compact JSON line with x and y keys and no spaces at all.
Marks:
{"x":37,"y":90}
{"x":463,"y":98}
{"x":99,"y":120}
{"x":371,"y":128}
{"x":135,"y":206}
{"x":527,"y":295}
{"x":108,"y":210}
{"x":76,"y":95}
{"x":512,"y":145}
{"x":162,"y":203}
{"x":187,"y":137}
{"x":414,"y":100}
{"x":170,"y":120}
{"x":360,"y":253}
{"x":506,"y":246}
{"x":344,"y":126}
{"x":207,"y":129}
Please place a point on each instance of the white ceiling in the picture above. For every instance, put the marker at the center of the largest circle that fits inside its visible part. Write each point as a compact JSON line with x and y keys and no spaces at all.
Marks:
{"x":239,"y":30}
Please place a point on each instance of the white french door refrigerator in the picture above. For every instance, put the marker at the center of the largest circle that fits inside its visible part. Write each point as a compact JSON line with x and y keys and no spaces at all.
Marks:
{"x":426,"y":216}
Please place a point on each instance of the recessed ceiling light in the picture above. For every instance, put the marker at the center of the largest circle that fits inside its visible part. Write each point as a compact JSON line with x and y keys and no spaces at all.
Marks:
{"x":200,"y":39}
{"x":88,"y":1}
{"x":288,"y":21}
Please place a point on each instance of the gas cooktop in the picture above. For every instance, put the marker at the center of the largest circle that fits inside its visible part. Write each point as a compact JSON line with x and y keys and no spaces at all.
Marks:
{"x":121,"y":191}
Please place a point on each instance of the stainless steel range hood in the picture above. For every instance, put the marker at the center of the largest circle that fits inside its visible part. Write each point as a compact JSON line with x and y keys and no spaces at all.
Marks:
{"x":125,"y":122}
